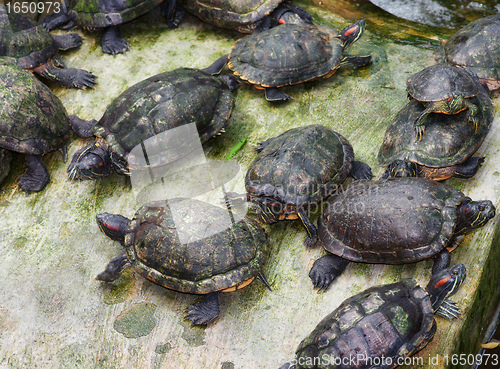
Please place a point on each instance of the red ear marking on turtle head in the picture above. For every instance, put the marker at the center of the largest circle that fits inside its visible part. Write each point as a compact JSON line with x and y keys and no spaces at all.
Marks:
{"x":441,"y":282}
{"x":349,"y":31}
{"x":110,"y":227}
{"x":281,"y":21}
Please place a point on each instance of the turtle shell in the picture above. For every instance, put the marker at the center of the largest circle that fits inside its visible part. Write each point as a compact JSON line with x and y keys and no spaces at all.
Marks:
{"x":301,"y":166}
{"x":287,"y":55}
{"x":242,"y":15}
{"x":390,"y":221}
{"x":476,"y":46}
{"x":91,"y":14}
{"x":448,"y":139}
{"x":32,"y":119}
{"x":191,"y":246}
{"x":391,"y":321}
{"x":439,"y":82}
{"x":163,"y":102}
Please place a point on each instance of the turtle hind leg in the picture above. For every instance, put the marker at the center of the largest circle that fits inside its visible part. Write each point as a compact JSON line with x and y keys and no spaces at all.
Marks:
{"x":36,"y":177}
{"x":67,"y":41}
{"x":82,"y":128}
{"x":274,"y":94}
{"x":361,"y":170}
{"x":67,"y":77}
{"x":469,"y":168}
{"x":204,"y":311}
{"x":173,"y":13}
{"x":112,"y":41}
{"x":114,"y":269}
{"x":325,"y":270}
{"x":356,"y":61}
{"x":216,"y":66}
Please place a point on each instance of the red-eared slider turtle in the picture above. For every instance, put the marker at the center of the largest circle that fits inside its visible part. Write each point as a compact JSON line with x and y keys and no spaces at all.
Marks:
{"x":33,"y":121}
{"x":443,"y":89}
{"x":188,"y":246}
{"x":290,"y":54}
{"x":104,"y":15}
{"x":477,"y":47}
{"x":148,"y":108}
{"x":446,"y":149}
{"x":394,"y":221}
{"x":246,"y":16}
{"x":295,"y":171}
{"x":381,"y":326}
{"x":36,"y":49}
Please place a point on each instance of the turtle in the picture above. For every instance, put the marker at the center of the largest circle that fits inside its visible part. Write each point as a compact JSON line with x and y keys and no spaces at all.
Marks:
{"x":290,"y":54}
{"x":36,"y":50}
{"x":382,"y":325}
{"x":477,"y":47}
{"x":105,"y":15}
{"x":394,"y":221}
{"x":189,"y":246}
{"x":298,"y":169}
{"x":246,"y":16}
{"x":148,"y":108}
{"x":443,"y":88}
{"x":33,"y":121}
{"x":446,"y":149}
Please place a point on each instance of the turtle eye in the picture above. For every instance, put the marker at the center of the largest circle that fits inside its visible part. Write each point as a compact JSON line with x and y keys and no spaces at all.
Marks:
{"x":481,"y":208}
{"x":455,"y":272}
{"x":101,"y":164}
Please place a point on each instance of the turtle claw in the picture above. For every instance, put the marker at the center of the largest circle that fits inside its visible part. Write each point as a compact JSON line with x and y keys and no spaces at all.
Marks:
{"x":113,"y":43}
{"x":81,"y":78}
{"x":325,"y":270}
{"x":419,"y":133}
{"x":204,"y":311}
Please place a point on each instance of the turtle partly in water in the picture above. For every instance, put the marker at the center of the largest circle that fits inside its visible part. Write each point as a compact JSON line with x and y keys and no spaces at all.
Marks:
{"x":381,"y":326}
{"x":188,"y":246}
{"x":290,"y":54}
{"x":394,"y":221}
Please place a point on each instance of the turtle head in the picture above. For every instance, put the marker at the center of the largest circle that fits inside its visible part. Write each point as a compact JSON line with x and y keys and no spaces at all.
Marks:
{"x":287,"y":13}
{"x":473,"y":214}
{"x":113,"y":225}
{"x":268,"y":209}
{"x":352,"y":33}
{"x":401,"y":168}
{"x":444,"y":284}
{"x":91,"y":162}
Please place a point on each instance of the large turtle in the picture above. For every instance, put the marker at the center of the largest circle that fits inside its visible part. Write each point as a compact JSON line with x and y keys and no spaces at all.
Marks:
{"x":296,"y":170}
{"x":290,"y":54}
{"x":477,"y":47}
{"x":446,"y":149}
{"x":148,"y":108}
{"x":33,"y":121}
{"x":188,"y":246}
{"x":36,"y":49}
{"x":381,"y":326}
{"x":443,"y":88}
{"x":104,"y":15}
{"x":246,"y":16}
{"x":394,"y":221}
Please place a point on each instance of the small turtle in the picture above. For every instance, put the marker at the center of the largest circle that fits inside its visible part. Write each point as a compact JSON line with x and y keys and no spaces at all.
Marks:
{"x":154,"y":105}
{"x":443,"y":89}
{"x":382,"y":325}
{"x":295,"y":171}
{"x":477,"y":47}
{"x":290,"y":54}
{"x":188,"y":246}
{"x":33,"y":121}
{"x":36,"y":49}
{"x":104,"y":15}
{"x":394,"y":221}
{"x":246,"y":16}
{"x":446,"y":149}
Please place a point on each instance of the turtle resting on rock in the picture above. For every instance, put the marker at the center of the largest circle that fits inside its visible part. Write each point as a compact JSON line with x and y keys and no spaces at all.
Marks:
{"x":105,"y":15}
{"x":36,"y":50}
{"x":33,"y":121}
{"x":477,"y":47}
{"x":394,"y":221}
{"x":188,"y":246}
{"x":381,"y":326}
{"x":298,"y":169}
{"x":446,"y":149}
{"x":148,"y":108}
{"x":443,"y":88}
{"x":291,"y":54}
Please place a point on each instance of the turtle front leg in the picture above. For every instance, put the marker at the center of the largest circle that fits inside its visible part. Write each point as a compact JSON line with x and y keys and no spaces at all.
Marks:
{"x":325,"y":270}
{"x":173,"y":13}
{"x":114,"y":269}
{"x":204,"y":311}
{"x":67,"y":77}
{"x":419,"y":124}
{"x":67,"y":41}
{"x":112,"y":41}
{"x":441,"y":261}
{"x":312,"y":233}
{"x":216,"y":66}
{"x":361,"y":170}
{"x":36,"y":177}
{"x":472,"y":113}
{"x":274,"y":94}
